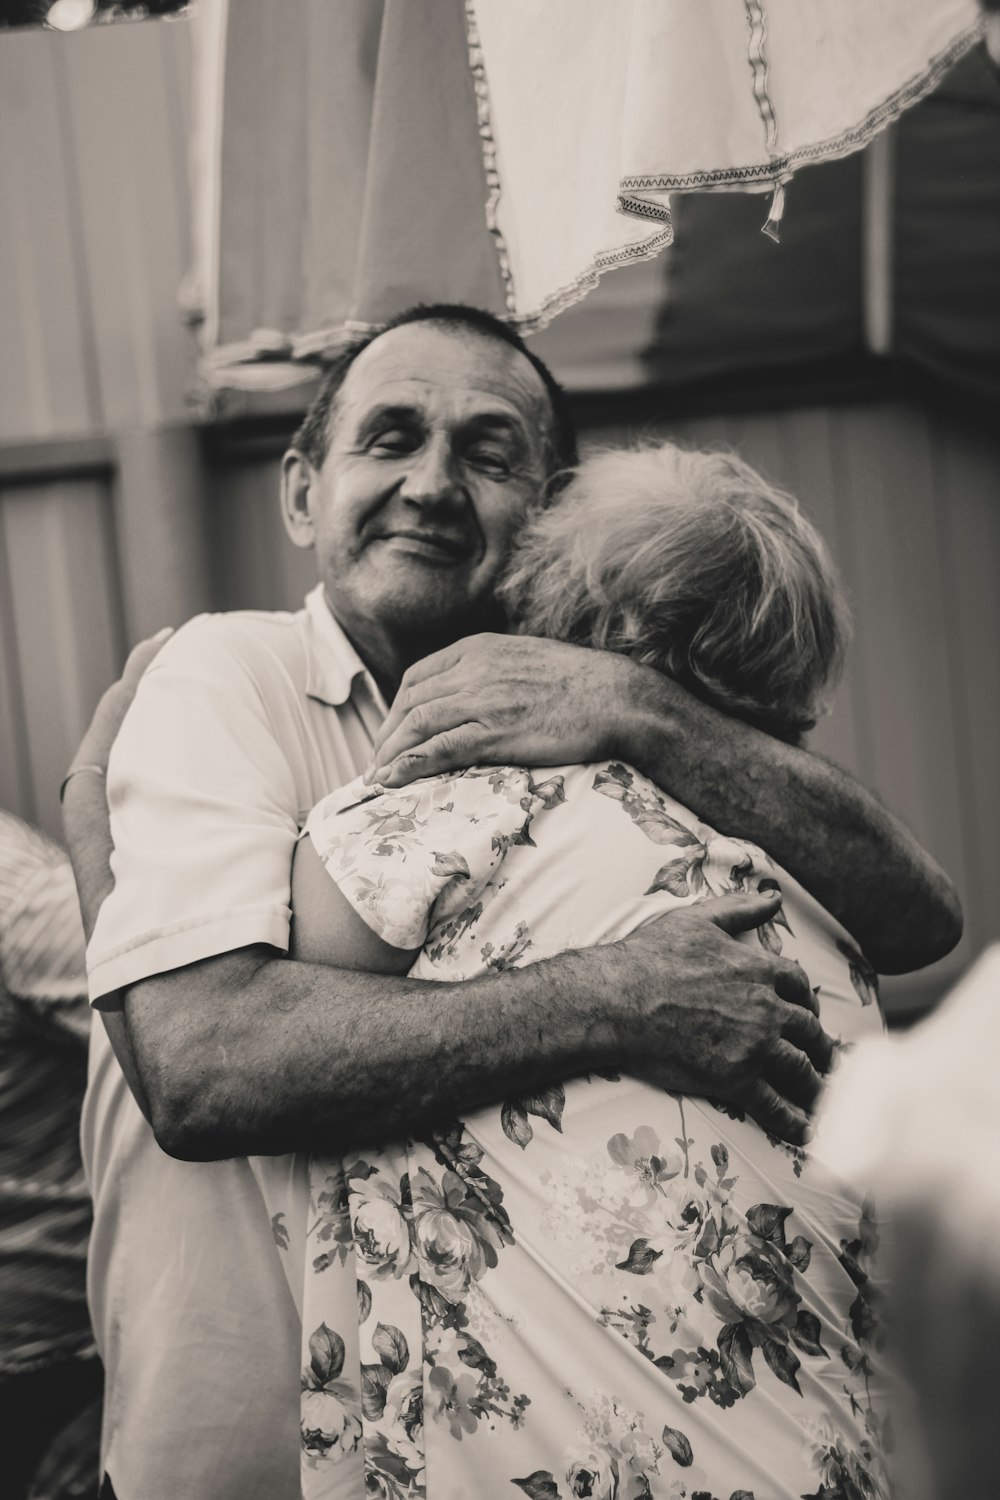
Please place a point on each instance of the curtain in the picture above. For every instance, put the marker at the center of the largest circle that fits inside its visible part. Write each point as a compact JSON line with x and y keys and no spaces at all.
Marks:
{"x":353,"y":158}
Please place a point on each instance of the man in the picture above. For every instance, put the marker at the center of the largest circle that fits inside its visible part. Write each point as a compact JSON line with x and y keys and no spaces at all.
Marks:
{"x":409,"y":479}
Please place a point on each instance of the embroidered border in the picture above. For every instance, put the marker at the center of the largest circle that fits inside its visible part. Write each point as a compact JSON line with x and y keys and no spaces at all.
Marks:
{"x":576,"y":290}
{"x":758,"y":68}
{"x":643,"y":208}
{"x":482,"y":91}
{"x":216,"y":364}
{"x":762,"y":175}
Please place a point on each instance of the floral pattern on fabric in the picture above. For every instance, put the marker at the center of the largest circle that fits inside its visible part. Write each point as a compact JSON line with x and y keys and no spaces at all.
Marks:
{"x":600,"y":1289}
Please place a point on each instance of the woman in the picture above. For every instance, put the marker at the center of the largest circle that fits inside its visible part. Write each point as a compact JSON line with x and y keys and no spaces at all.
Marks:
{"x":603,"y":1290}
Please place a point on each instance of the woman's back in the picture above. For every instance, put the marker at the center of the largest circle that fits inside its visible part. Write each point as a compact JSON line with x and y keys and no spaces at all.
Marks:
{"x":636,"y":1281}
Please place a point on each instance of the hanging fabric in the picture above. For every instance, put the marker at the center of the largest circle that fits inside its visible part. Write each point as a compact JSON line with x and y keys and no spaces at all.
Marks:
{"x":351,"y":159}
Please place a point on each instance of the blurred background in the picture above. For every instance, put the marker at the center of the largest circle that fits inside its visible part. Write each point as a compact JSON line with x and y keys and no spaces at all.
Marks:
{"x":856,"y":364}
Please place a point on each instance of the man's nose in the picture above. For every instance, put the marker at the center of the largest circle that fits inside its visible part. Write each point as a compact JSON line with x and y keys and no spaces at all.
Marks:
{"x":432,"y":474}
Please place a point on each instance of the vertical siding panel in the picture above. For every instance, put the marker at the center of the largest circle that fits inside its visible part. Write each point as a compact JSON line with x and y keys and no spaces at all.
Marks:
{"x":760,"y":440}
{"x":44,"y":384}
{"x":160,"y":528}
{"x":246,"y":533}
{"x":810,"y":460}
{"x":967,"y":493}
{"x":853,"y":498}
{"x":898,"y":572}
{"x":64,"y":593}
{"x":15,"y":782}
{"x":134,"y":223}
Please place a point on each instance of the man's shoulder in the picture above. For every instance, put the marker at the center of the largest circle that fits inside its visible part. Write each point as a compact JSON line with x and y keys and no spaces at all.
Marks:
{"x":253,"y":640}
{"x":233,"y":625}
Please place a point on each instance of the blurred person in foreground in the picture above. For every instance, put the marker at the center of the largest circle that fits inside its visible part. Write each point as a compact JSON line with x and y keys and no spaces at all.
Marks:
{"x":599,"y":1288}
{"x":916,"y":1121}
{"x":427,"y":447}
{"x":50,"y":1375}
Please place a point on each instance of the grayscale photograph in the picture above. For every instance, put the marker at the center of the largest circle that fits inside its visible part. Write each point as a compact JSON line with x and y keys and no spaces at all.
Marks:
{"x":499,"y":750}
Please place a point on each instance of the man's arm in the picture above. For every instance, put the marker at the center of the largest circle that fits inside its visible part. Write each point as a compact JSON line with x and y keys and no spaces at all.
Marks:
{"x":249,"y":1053}
{"x":499,"y":699}
{"x":252,"y":1054}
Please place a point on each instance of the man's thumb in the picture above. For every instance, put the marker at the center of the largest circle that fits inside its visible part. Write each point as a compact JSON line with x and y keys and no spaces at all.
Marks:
{"x":740,"y":913}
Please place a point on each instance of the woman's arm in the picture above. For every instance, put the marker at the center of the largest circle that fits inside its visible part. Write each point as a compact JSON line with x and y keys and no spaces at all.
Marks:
{"x":493,"y":699}
{"x":327,"y":929}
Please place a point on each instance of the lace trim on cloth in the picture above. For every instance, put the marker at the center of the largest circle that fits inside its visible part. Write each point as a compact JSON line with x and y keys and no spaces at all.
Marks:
{"x":484,"y":120}
{"x":762,"y":176}
{"x":758,"y":68}
{"x":604,"y":260}
{"x":271,"y":359}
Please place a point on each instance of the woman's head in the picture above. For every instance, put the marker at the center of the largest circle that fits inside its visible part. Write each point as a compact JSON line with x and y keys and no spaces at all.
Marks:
{"x":692,"y":563}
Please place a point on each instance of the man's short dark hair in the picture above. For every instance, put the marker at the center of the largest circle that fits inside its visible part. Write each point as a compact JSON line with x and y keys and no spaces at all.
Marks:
{"x":312,"y":438}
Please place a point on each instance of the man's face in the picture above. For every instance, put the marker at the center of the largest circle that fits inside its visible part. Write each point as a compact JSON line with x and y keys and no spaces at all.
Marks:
{"x":436,"y":452}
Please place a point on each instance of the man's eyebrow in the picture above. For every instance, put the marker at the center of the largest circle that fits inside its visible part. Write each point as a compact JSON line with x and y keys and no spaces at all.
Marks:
{"x":388,"y":414}
{"x":498,"y":422}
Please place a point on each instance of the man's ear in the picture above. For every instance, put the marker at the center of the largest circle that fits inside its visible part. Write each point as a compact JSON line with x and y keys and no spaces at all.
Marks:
{"x":296,"y":498}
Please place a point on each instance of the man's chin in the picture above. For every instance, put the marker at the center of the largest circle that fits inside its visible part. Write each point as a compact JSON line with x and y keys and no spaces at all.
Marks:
{"x":434,"y":620}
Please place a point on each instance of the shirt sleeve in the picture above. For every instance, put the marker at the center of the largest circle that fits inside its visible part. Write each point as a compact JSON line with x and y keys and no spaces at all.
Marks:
{"x":203,"y":812}
{"x":404,"y":858}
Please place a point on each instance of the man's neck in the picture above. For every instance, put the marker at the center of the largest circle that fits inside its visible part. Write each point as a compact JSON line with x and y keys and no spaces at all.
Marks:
{"x":384,"y":656}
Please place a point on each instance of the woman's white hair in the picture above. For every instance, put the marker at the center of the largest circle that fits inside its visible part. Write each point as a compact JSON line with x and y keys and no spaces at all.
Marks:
{"x":692,"y":563}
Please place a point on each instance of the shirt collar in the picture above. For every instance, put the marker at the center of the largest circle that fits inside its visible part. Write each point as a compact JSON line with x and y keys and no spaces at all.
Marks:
{"x":333,"y":665}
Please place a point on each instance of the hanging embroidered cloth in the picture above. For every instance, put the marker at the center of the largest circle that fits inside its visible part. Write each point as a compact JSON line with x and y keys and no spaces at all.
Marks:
{"x":355,"y":158}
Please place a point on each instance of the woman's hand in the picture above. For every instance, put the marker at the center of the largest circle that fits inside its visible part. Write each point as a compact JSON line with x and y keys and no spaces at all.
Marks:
{"x":504,"y":699}
{"x":95,"y":747}
{"x":86,"y":823}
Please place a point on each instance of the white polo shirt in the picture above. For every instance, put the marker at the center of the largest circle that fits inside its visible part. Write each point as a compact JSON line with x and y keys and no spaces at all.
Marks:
{"x":240,"y":725}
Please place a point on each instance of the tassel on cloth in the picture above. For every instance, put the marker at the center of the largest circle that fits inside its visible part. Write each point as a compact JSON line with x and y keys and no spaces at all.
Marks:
{"x":772,"y":228}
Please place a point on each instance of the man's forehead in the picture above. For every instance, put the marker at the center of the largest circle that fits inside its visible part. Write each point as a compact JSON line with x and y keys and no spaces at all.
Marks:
{"x":425,"y":362}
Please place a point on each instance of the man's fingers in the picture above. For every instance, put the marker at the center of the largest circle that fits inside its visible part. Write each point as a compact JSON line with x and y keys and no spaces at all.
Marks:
{"x":740,"y":913}
{"x":443,"y":752}
{"x":412,"y":696}
{"x":436,"y":676}
{"x":436,"y":663}
{"x":804,"y":1031}
{"x":777,"y":1116}
{"x":792,"y":983}
{"x":791,"y":1073}
{"x":419,"y":725}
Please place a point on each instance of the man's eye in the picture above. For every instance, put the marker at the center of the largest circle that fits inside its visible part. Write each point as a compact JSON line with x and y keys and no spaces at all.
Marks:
{"x":395,"y":441}
{"x":490,"y":460}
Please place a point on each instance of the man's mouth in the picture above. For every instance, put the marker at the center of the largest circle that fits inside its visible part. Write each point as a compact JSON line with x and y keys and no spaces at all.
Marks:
{"x":432,"y":544}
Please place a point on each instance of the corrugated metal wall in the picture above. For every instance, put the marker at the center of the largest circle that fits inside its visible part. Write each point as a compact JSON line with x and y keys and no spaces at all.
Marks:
{"x":115,"y":517}
{"x":93,"y":229}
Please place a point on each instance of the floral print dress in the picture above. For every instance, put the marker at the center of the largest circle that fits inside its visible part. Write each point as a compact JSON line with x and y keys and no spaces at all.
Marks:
{"x":600,"y":1290}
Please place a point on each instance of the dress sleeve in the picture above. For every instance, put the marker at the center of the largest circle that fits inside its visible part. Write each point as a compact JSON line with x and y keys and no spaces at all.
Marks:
{"x":403,"y":858}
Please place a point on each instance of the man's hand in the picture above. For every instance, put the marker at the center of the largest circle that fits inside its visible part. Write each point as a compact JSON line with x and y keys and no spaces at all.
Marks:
{"x":86,"y":823}
{"x":501,"y":699}
{"x":493,"y":700}
{"x":708,"y":1016}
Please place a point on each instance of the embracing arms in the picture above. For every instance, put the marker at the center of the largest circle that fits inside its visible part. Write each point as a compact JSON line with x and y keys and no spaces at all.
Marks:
{"x":494,"y":699}
{"x":251,"y":1053}
{"x":248,"y":1052}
